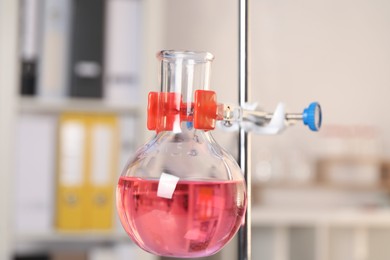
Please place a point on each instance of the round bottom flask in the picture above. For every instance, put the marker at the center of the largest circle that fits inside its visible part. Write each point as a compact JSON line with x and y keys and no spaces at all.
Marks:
{"x":182,"y":195}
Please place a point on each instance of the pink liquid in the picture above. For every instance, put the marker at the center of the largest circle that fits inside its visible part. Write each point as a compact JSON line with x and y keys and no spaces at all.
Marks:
{"x":198,"y":221}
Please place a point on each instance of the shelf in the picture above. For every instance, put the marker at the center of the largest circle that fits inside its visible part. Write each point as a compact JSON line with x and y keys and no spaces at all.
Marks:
{"x":41,"y":105}
{"x":317,"y":185}
{"x":72,"y":237}
{"x":315,"y":217}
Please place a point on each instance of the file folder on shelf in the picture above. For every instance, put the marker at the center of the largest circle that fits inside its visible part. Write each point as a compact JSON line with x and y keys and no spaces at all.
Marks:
{"x":103,"y":166}
{"x":72,"y":166}
{"x":53,"y":61}
{"x":87,"y":165}
{"x":122,"y":51}
{"x":86,"y":64}
{"x":34,"y":178}
{"x":30,"y":31}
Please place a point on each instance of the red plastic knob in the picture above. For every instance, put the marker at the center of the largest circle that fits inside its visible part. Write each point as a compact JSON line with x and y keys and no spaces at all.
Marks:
{"x":205,"y":110}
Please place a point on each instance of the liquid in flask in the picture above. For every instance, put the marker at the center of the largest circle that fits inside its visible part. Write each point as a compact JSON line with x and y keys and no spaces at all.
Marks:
{"x":182,"y":195}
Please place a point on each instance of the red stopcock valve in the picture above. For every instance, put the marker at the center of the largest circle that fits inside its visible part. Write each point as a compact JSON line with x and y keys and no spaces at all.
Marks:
{"x":165,"y":109}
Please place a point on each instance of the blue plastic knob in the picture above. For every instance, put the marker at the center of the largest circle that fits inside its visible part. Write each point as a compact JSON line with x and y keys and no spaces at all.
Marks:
{"x":312,"y":116}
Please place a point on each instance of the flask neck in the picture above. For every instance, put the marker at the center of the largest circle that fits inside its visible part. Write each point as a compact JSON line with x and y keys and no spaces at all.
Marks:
{"x":184,"y":72}
{"x":182,"y":75}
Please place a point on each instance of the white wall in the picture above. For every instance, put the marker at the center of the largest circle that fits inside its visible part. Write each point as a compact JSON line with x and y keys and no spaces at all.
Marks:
{"x":8,"y":83}
{"x":336,"y":52}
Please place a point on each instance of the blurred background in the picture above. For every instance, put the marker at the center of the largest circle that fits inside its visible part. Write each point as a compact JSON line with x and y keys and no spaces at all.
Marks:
{"x":74,"y":77}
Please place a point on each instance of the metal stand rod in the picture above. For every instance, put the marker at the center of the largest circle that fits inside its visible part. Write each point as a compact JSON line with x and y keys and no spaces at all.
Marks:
{"x":244,"y":235}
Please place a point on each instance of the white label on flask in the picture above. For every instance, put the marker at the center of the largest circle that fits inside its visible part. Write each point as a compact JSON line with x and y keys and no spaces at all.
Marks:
{"x":167,"y":185}
{"x":72,"y":153}
{"x":102,"y":140}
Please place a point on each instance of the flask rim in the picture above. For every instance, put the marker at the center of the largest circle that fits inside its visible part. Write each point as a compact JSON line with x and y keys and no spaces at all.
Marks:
{"x":194,"y":56}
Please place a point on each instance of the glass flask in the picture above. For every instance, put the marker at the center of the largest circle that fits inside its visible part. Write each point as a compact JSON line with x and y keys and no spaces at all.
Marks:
{"x":182,"y":195}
